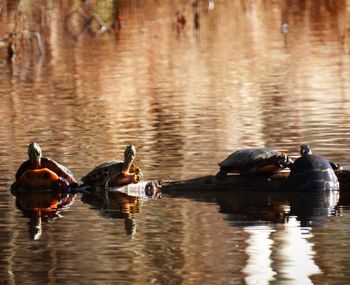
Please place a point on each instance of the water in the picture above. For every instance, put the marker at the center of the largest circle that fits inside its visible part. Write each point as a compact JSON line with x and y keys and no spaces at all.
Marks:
{"x":185,"y":99}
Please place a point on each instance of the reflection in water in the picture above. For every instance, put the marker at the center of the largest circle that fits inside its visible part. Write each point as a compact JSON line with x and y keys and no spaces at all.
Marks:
{"x":120,"y":206}
{"x":41,"y":207}
{"x":278,"y":207}
{"x":258,"y":269}
{"x":294,"y":254}
{"x":280,"y":251}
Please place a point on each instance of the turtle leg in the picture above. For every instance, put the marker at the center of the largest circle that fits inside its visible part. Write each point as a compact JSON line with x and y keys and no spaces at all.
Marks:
{"x":138,"y":175}
{"x":335,"y":166}
{"x":132,"y":177}
{"x":125,"y":178}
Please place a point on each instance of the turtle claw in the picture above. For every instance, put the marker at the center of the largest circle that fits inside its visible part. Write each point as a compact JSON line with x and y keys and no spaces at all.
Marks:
{"x":138,"y":177}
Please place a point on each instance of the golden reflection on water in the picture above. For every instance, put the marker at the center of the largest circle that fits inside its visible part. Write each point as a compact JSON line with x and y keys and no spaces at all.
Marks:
{"x":186,"y":100}
{"x":293,"y":243}
{"x":258,"y":268}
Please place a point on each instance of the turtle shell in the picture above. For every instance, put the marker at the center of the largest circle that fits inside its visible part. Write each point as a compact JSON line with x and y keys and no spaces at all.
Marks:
{"x":313,"y":172}
{"x":35,"y":180}
{"x":42,"y":178}
{"x":96,"y":176}
{"x":262,"y":159}
{"x":50,"y":164}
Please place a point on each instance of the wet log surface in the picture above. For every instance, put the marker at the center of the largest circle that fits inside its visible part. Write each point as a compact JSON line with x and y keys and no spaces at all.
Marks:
{"x":277,"y":182}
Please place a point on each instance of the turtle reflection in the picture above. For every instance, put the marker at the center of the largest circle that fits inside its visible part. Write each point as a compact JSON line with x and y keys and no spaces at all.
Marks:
{"x":120,"y":206}
{"x":121,"y":202}
{"x":41,"y":206}
{"x":276,"y":207}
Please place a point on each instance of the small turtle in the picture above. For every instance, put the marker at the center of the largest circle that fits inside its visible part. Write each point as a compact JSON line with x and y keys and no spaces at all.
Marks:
{"x":250,"y":161}
{"x":115,"y":172}
{"x":313,"y":172}
{"x":36,"y":161}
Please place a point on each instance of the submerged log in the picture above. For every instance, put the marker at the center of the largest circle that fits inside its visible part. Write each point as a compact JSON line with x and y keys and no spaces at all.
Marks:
{"x":277,"y":182}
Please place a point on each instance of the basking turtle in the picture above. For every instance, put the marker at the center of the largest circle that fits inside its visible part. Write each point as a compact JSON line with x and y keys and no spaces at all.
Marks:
{"x":313,"y":172}
{"x":36,"y":161}
{"x":249,"y":161}
{"x":115,"y":172}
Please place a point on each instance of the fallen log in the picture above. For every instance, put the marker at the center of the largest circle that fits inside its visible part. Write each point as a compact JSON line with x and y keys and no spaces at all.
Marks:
{"x":276,"y":182}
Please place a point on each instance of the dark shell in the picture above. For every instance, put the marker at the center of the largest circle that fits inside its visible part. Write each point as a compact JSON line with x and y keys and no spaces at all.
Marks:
{"x":248,"y":156}
{"x":97,"y":175}
{"x":57,"y":167}
{"x":313,"y":172}
{"x":251,"y":161}
{"x":99,"y":172}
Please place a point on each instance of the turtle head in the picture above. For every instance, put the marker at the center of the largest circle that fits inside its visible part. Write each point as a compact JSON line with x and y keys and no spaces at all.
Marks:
{"x":305,"y":150}
{"x":34,"y":153}
{"x":129,"y":156}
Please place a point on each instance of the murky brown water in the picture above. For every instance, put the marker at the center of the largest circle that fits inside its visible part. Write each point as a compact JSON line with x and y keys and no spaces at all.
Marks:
{"x":185,"y":98}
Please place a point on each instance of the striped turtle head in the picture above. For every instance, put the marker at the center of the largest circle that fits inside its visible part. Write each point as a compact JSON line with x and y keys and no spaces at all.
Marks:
{"x":34,"y":153}
{"x":305,"y":150}
{"x":130,"y":152}
{"x":129,"y":156}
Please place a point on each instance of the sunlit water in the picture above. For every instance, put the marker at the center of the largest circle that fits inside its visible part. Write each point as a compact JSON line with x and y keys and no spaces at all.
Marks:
{"x":185,"y":99}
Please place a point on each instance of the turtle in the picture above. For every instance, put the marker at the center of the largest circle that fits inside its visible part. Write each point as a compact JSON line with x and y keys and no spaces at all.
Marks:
{"x":251,"y":161}
{"x":115,"y":172}
{"x":313,"y":172}
{"x":37,"y":161}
